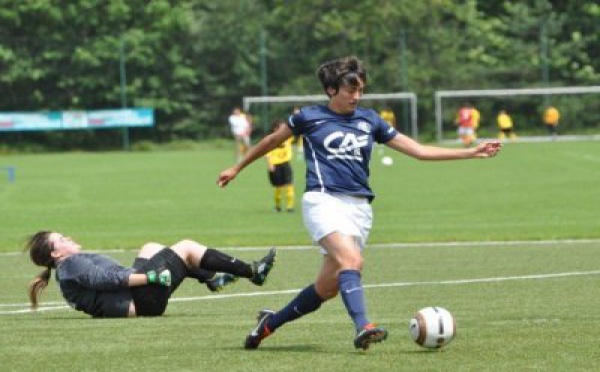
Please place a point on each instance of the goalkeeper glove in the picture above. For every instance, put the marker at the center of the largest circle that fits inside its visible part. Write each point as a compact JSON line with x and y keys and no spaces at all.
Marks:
{"x":162,"y":277}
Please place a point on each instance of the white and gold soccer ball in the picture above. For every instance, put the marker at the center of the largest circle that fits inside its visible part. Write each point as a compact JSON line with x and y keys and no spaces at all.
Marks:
{"x":432,"y":327}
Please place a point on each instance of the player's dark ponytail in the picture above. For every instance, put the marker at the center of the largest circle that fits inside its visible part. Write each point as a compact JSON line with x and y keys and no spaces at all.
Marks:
{"x":40,"y":250}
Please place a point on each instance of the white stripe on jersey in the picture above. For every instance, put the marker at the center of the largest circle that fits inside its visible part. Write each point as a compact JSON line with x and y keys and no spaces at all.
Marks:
{"x":317,"y":170}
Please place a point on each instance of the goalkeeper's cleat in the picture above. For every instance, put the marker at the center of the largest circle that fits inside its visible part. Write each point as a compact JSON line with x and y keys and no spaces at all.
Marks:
{"x":368,"y":335}
{"x":261,"y":331}
{"x":260,"y":269}
{"x":219,"y":281}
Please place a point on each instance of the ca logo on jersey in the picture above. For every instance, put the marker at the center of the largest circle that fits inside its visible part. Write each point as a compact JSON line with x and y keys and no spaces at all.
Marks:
{"x":348,"y":148}
{"x":364,"y":126}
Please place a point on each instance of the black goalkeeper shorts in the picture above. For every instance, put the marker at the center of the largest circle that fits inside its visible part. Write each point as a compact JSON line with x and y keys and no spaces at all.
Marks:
{"x":152,"y":299}
{"x":282,"y":175}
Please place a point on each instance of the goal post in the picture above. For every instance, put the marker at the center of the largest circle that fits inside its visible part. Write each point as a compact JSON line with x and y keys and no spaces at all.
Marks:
{"x":439,"y":95}
{"x":410,"y":97}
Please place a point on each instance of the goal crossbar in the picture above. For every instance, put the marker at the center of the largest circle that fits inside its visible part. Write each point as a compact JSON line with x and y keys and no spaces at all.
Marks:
{"x":412,"y":97}
{"x":502,"y":92}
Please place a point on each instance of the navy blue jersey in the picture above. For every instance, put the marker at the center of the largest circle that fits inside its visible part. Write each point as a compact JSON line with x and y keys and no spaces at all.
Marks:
{"x":338,"y":148}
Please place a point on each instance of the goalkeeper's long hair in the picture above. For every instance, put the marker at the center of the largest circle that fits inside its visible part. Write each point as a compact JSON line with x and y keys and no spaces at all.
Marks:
{"x":40,"y":250}
{"x":341,"y":71}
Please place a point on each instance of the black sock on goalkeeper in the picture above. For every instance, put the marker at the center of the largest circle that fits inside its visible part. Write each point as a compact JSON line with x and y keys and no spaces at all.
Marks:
{"x":219,"y":261}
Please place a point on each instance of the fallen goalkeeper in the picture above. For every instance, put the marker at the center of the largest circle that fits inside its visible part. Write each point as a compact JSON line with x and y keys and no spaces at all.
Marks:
{"x":99,"y":286}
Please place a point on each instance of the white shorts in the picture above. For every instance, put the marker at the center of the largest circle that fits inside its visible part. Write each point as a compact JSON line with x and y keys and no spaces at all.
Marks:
{"x":465,"y":131}
{"x":327,"y":213}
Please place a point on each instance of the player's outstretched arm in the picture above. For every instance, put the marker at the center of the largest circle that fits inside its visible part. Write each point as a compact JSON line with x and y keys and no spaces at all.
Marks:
{"x":416,"y":150}
{"x":265,"y":145}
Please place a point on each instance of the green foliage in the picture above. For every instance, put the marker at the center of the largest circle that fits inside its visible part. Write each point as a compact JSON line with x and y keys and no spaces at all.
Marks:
{"x":194,"y":60}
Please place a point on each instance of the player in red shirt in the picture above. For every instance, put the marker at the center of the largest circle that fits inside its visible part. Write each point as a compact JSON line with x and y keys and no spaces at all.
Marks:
{"x":464,"y":121}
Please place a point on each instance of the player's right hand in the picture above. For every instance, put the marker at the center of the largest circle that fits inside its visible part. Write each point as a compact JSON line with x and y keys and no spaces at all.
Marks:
{"x":160,"y":277}
{"x":226,"y":176}
{"x":488,"y":149}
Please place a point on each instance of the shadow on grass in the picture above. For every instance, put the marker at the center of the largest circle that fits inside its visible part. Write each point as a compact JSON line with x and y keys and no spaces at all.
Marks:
{"x":280,"y":349}
{"x":422,"y":352}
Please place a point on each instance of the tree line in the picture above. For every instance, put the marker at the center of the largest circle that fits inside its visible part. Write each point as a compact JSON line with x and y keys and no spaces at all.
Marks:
{"x":194,"y":60}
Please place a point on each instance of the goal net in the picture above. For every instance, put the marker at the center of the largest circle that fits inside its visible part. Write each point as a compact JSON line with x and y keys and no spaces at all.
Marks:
{"x":579,"y":109}
{"x":264,"y":109}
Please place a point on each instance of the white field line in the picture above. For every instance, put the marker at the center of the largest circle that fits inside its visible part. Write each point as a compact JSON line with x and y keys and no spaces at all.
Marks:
{"x":383,"y":245}
{"x":60,"y":305}
{"x":29,"y":311}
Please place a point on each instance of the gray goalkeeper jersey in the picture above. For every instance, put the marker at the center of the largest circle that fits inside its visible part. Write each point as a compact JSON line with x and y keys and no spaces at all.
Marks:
{"x":95,"y":284}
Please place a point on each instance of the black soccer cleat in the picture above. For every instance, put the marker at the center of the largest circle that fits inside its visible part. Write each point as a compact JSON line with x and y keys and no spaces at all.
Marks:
{"x":368,"y":335}
{"x":261,"y":331}
{"x":260,"y":269}
{"x":219,"y":281}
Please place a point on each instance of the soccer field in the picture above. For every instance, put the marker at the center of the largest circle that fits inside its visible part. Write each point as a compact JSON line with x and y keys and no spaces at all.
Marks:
{"x":532,"y":191}
{"x":510,"y":246}
{"x":517,"y":307}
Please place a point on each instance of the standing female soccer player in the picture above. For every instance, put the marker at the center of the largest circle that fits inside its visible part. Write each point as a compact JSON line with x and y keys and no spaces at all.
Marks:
{"x":336,"y":204}
{"x":101,"y":287}
{"x":280,"y":171}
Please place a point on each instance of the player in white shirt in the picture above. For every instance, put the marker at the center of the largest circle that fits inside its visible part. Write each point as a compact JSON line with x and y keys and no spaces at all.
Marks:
{"x":241,"y":130}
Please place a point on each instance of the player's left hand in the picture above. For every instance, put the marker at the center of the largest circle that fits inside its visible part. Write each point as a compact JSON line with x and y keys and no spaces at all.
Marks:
{"x":487,"y":149}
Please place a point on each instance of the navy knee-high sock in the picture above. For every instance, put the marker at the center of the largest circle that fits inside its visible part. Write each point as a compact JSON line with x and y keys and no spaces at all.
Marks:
{"x":306,"y":302}
{"x":353,"y":295}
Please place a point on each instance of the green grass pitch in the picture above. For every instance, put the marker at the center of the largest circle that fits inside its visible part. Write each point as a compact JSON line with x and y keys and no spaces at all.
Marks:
{"x":514,"y":256}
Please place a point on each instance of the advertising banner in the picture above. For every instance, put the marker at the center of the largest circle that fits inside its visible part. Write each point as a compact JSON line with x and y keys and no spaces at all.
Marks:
{"x":69,"y":120}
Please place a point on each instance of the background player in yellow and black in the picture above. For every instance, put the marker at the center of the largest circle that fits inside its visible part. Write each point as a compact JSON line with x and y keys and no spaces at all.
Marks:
{"x":280,"y":170}
{"x":551,"y":118}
